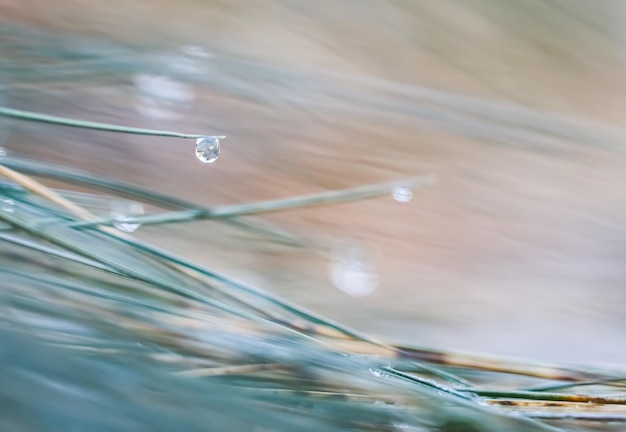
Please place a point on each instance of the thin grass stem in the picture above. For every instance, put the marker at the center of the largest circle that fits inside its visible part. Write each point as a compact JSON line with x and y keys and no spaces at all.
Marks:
{"x":63,"y":121}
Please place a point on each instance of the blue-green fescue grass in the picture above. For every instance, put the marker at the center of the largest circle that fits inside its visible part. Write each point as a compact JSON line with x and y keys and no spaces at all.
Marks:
{"x":160,"y":343}
{"x":102,"y":332}
{"x":105,"y":127}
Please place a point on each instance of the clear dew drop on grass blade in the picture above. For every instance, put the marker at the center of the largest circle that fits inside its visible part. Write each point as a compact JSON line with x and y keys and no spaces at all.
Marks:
{"x":208,"y":148}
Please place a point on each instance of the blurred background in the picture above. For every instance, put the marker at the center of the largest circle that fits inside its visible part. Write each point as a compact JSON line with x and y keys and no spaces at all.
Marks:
{"x":517,"y":107}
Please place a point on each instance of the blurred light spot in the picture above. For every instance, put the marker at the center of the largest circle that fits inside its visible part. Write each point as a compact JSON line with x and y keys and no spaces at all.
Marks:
{"x":190,"y":61}
{"x":3,"y":152}
{"x":352,"y":271}
{"x":125,"y":214}
{"x":195,"y":51}
{"x":402,"y":194}
{"x":7,"y":205}
{"x":160,"y":97}
{"x":410,"y":428}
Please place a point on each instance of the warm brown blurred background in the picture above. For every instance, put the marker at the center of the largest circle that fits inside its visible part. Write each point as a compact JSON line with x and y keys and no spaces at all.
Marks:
{"x":517,"y":106}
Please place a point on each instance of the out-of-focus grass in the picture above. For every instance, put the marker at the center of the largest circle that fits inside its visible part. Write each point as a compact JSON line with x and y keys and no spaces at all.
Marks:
{"x":517,"y":106}
{"x":105,"y":332}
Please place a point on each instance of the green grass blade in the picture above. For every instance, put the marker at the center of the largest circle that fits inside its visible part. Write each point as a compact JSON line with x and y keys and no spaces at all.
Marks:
{"x":323,"y":198}
{"x":63,"y":121}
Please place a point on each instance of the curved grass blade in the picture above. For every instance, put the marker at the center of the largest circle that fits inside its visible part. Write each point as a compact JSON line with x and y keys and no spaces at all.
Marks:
{"x":71,"y":175}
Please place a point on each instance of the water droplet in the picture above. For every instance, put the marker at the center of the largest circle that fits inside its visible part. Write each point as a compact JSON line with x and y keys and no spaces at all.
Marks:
{"x":125,"y":214}
{"x":402,"y":194}
{"x":7,"y":205}
{"x":352,"y":271}
{"x":377,"y":372}
{"x":208,"y":148}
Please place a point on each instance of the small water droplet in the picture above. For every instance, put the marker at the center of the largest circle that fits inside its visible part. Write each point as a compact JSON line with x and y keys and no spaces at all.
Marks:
{"x":7,"y":205}
{"x":378,"y":372}
{"x":125,"y":214}
{"x":352,"y":271}
{"x":208,"y":148}
{"x":402,"y":194}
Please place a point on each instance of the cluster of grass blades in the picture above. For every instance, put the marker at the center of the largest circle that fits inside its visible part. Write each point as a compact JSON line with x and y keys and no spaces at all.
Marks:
{"x":103,"y":332}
